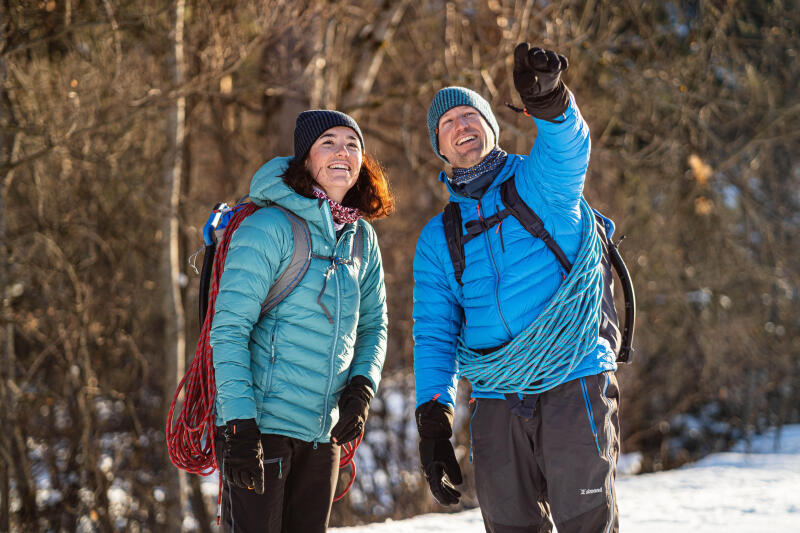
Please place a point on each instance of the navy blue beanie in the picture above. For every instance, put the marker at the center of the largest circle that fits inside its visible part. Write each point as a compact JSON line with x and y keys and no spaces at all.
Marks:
{"x":313,"y":123}
{"x":450,"y":97}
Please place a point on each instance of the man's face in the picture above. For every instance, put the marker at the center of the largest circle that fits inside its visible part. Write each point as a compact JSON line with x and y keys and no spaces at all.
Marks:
{"x":465,"y":137}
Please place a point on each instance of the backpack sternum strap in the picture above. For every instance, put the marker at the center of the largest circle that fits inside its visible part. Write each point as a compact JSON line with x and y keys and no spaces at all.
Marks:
{"x":356,"y":259}
{"x":478,"y":226}
{"x":456,"y":239}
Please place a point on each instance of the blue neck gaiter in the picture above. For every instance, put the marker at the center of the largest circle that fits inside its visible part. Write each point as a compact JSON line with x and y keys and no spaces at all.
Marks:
{"x":473,"y":181}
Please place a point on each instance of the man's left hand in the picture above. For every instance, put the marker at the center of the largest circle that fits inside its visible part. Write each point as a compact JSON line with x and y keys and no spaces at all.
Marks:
{"x":537,"y":78}
{"x":441,"y":469}
{"x":439,"y":463}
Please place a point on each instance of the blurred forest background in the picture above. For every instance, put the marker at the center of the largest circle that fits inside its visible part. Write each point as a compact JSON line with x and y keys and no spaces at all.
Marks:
{"x":124,"y":121}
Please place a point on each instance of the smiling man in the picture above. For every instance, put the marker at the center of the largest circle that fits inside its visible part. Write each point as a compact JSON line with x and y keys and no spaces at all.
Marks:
{"x":482,"y":279}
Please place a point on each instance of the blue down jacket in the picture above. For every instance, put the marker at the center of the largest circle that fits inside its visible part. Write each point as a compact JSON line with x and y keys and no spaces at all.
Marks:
{"x":510,"y":276}
{"x":288,"y":368}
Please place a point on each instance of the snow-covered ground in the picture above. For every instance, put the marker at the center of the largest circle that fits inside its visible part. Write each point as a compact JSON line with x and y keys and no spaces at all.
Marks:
{"x":751,"y":489}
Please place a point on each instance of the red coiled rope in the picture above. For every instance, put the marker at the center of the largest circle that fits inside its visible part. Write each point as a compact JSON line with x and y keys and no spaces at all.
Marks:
{"x":190,"y":438}
{"x":347,"y":458}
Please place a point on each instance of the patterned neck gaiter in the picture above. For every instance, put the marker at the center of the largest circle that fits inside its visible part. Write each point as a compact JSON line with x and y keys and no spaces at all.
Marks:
{"x":341,"y":215}
{"x":493,"y":161}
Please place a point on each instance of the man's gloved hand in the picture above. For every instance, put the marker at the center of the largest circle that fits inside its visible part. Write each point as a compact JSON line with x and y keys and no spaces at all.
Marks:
{"x":537,"y":78}
{"x":353,"y":410}
{"x":435,"y":425}
{"x":242,"y":459}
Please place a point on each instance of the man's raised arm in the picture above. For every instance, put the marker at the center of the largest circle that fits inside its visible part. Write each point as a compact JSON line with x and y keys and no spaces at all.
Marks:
{"x":559,"y":158}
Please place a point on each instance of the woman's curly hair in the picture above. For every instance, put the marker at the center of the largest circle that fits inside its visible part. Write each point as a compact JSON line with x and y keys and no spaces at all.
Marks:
{"x":370,"y":194}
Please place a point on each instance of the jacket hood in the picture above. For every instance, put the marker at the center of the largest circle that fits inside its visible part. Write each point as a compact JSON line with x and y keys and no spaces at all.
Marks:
{"x":267,"y":187}
{"x":505,"y":173}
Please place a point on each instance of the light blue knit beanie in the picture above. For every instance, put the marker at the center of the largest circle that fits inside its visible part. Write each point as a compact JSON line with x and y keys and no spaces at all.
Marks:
{"x":450,"y":97}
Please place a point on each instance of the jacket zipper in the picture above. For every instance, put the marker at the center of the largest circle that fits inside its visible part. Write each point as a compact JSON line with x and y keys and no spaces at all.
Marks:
{"x":329,"y":225}
{"x":333,"y":351}
{"x":497,"y":277}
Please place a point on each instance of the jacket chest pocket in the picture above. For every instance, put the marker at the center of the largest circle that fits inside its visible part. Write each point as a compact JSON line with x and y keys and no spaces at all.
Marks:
{"x":271,"y":360}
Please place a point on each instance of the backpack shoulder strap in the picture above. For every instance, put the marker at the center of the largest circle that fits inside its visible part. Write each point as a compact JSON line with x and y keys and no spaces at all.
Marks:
{"x":298,"y":265}
{"x":451,"y":218}
{"x":530,"y":220}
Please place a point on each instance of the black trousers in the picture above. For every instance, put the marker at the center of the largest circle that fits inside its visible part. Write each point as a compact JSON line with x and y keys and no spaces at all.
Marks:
{"x":299,"y":484}
{"x":558,"y":466}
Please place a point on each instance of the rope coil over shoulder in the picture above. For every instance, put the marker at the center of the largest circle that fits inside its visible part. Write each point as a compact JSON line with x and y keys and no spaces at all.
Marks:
{"x":190,"y":437}
{"x":546,"y":352}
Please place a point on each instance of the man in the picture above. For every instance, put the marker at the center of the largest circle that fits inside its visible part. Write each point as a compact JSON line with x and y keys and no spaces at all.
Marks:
{"x":540,"y":457}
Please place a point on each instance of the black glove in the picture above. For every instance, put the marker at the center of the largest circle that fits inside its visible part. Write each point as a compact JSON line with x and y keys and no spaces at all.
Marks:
{"x":537,"y":78}
{"x":435,"y":426}
{"x":353,"y":410}
{"x":242,"y":459}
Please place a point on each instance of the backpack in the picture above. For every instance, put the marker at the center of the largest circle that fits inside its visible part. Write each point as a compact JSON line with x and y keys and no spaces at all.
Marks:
{"x":611,"y":260}
{"x":214,"y":232}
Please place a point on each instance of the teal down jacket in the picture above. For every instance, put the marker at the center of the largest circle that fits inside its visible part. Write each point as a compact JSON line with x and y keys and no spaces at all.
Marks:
{"x":287,"y":369}
{"x":510,"y":276}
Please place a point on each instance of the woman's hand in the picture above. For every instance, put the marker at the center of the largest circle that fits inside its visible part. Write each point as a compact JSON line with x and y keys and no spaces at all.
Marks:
{"x":242,"y":459}
{"x":353,"y":410}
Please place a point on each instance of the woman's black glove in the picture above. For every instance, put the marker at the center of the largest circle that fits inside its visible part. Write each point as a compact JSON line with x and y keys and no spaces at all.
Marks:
{"x":537,"y":78}
{"x":435,"y":426}
{"x":242,"y":459}
{"x":353,"y":410}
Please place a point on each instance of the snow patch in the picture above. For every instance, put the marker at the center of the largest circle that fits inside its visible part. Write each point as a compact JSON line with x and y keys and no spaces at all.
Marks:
{"x":732,"y":492}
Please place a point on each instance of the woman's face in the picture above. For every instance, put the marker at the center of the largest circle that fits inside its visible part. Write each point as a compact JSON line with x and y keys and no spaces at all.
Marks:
{"x":334,"y":161}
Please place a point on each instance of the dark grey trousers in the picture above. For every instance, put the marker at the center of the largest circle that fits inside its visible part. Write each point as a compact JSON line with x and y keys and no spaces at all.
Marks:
{"x":557,"y":466}
{"x":299,"y":485}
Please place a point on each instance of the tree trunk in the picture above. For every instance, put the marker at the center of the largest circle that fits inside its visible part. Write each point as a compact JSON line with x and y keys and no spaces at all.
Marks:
{"x":199,"y":505}
{"x":373,"y":51}
{"x":6,"y":325}
{"x":171,"y":276}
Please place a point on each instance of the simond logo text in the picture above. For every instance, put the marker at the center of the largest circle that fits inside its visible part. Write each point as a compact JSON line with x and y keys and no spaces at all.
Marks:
{"x":590,"y":491}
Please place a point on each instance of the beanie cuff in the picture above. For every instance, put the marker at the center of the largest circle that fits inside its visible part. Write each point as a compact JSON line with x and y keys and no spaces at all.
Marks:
{"x":450,"y":97}
{"x":314,"y":122}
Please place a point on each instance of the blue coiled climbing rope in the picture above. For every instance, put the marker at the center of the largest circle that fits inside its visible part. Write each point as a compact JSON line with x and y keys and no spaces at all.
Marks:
{"x":543,"y":355}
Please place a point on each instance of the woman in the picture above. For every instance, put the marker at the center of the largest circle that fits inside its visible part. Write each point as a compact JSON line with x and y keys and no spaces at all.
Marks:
{"x":295,"y":383}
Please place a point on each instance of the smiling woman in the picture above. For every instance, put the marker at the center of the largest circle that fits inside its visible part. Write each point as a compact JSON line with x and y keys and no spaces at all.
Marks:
{"x":337,"y":164}
{"x":335,"y":161}
{"x":294,"y":383}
